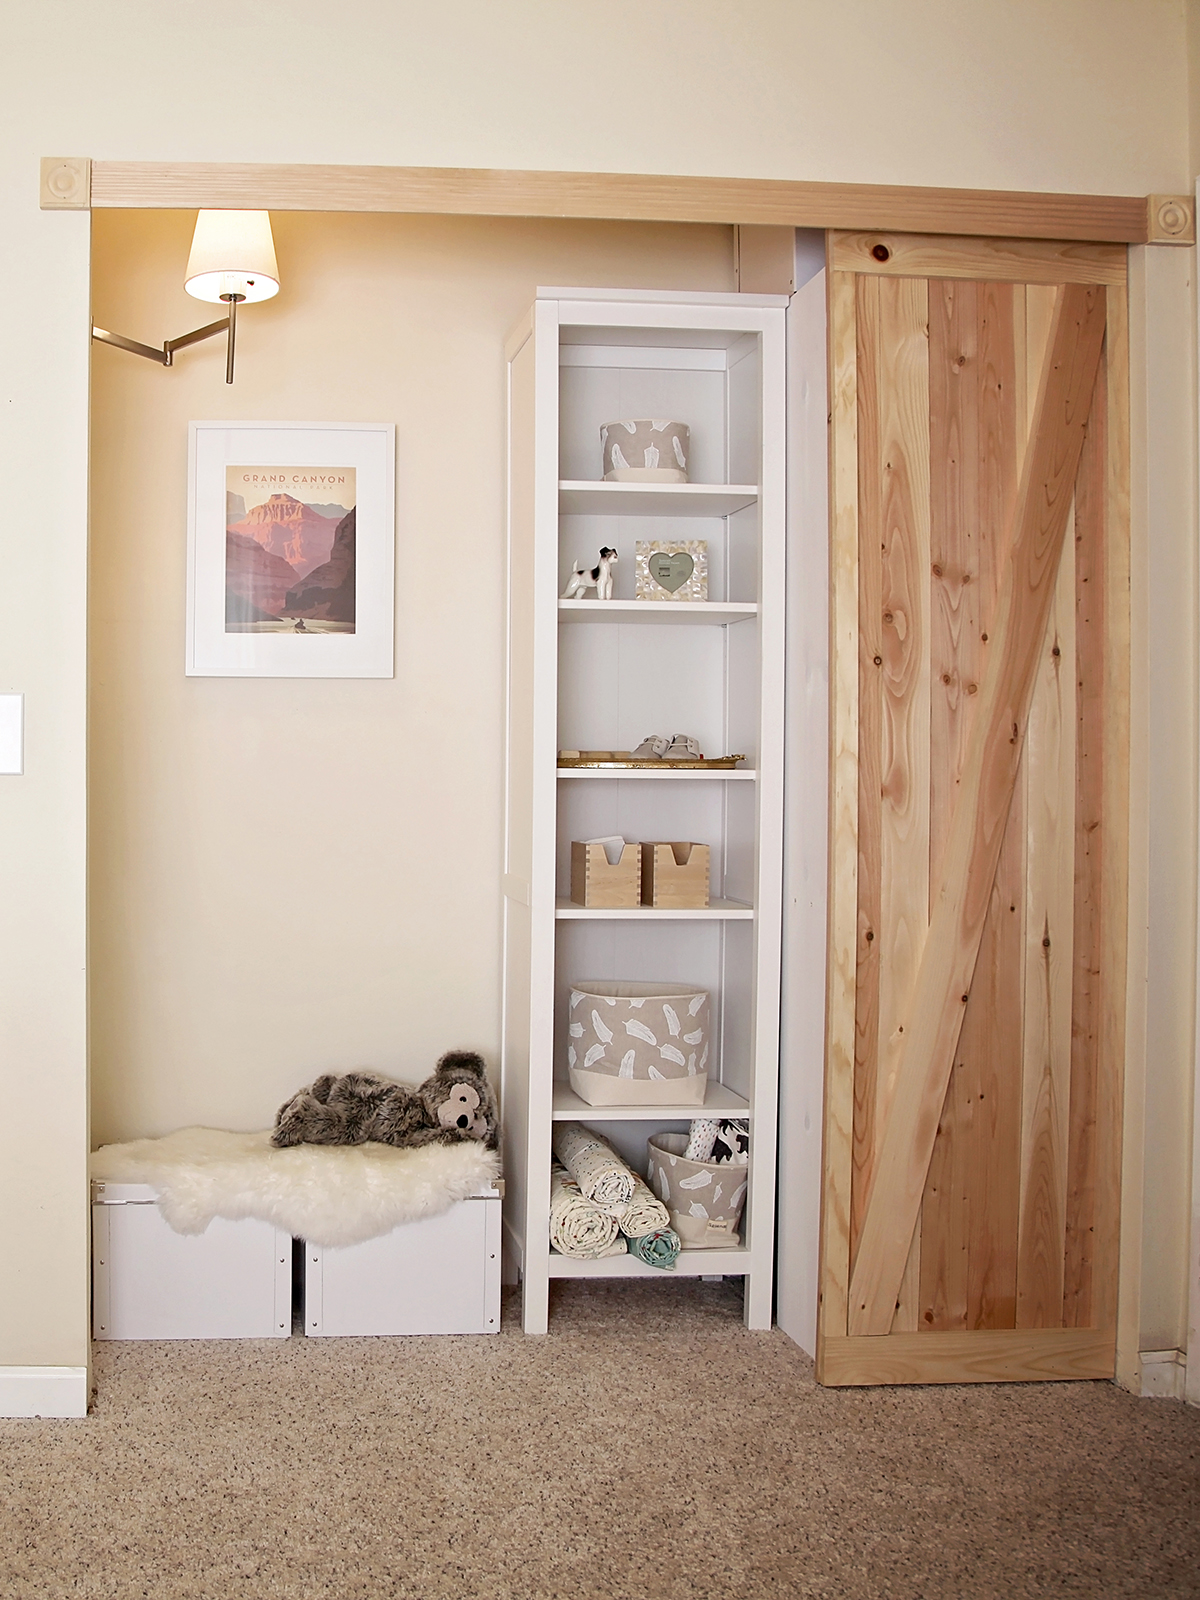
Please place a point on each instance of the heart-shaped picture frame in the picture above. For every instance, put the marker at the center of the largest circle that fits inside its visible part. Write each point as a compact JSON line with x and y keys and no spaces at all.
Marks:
{"x":671,"y":569}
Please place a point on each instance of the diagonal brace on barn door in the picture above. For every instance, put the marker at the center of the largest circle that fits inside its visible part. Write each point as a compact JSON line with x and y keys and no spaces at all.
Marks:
{"x":988,"y":778}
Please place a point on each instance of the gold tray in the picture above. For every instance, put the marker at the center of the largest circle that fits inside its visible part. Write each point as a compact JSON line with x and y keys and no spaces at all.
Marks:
{"x":625,"y":761}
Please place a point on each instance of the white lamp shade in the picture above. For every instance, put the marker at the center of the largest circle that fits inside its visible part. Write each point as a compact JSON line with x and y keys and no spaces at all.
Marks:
{"x":233,"y":252}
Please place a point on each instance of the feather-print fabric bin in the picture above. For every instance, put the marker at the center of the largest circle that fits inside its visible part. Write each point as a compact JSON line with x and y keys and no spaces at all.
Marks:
{"x":705,"y":1198}
{"x":648,"y":449}
{"x":638,"y":1043}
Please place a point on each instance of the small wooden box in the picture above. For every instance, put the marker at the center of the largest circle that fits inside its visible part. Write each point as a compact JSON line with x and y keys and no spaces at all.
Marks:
{"x":675,"y":875}
{"x":595,"y":882}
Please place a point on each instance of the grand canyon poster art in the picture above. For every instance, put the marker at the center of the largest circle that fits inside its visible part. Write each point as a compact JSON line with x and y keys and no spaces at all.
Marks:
{"x":289,"y":549}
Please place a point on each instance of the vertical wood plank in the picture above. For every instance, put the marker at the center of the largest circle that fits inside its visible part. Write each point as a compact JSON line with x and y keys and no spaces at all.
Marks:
{"x":958,"y":619}
{"x":1049,"y":892}
{"x":902,"y":466}
{"x":992,"y":1030}
{"x":969,"y":1206}
{"x":1115,"y":828}
{"x":1088,"y":977}
{"x":1039,"y":301}
{"x":903,"y":390}
{"x":908,"y":1296}
{"x":956,"y":537}
{"x":992,"y":1023}
{"x":870,"y":741}
{"x":843,"y":865}
{"x":1039,"y":316}
{"x":1044,"y":1095}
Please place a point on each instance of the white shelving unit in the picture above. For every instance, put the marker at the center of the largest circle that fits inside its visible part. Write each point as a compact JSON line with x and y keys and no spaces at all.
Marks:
{"x":587,"y":674}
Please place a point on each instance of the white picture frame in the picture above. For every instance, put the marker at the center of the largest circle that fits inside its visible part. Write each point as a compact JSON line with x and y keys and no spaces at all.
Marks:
{"x":243,"y":622}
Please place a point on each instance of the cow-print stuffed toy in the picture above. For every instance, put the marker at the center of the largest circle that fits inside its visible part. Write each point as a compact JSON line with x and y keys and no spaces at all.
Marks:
{"x":455,"y":1103}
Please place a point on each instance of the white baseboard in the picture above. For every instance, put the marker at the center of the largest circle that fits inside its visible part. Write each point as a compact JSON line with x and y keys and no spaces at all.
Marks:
{"x":1163,"y":1374}
{"x":43,"y":1391}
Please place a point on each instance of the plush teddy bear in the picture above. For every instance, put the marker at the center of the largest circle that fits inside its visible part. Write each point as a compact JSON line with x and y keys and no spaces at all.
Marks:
{"x":456,"y":1102}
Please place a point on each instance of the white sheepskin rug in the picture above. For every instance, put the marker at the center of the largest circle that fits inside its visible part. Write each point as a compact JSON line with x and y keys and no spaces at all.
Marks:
{"x":328,"y":1194}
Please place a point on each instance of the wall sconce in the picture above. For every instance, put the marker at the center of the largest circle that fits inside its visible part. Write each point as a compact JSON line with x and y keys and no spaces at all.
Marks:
{"x":232,"y":260}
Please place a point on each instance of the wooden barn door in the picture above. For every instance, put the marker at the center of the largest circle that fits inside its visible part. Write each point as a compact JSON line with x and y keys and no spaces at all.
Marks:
{"x":978,"y":898}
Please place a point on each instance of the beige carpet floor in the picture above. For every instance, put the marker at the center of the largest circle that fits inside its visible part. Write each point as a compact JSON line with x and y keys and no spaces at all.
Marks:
{"x":649,"y":1446}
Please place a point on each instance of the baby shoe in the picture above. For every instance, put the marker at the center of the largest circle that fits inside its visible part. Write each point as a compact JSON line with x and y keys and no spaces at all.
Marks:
{"x":652,"y":748}
{"x":684,"y":748}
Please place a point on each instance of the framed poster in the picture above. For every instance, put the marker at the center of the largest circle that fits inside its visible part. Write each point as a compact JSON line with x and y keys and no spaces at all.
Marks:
{"x":291,"y":550}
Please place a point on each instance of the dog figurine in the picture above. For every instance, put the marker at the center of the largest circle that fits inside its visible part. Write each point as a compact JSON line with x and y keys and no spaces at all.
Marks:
{"x":598,"y":577}
{"x":456,"y":1102}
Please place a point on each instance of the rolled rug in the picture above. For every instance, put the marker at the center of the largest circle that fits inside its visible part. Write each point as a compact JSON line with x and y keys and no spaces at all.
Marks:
{"x":646,"y":1214}
{"x":602,"y":1176}
{"x":658,"y":1249}
{"x":578,"y":1228}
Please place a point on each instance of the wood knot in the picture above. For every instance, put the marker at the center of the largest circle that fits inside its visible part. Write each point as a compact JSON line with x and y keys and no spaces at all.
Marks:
{"x":1056,"y":651}
{"x":1046,"y":942}
{"x":870,"y":934}
{"x":946,"y":678}
{"x":972,"y":688}
{"x":888,"y":617}
{"x":937,"y":571}
{"x":878,"y":661}
{"x":881,"y":252}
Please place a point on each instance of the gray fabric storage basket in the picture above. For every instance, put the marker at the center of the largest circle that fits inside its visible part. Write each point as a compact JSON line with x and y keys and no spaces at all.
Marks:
{"x":638,"y":1043}
{"x":646,"y":449}
{"x":705,"y":1198}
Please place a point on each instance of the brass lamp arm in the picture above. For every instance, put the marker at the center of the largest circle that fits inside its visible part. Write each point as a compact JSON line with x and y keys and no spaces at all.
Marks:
{"x":227,"y":325}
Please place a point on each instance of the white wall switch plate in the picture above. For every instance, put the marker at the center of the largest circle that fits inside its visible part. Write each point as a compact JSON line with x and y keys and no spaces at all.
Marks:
{"x":12,"y":735}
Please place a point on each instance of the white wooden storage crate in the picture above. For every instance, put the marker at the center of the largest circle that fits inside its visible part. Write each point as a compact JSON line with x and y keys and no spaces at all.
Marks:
{"x":233,"y":1281}
{"x":441,"y":1275}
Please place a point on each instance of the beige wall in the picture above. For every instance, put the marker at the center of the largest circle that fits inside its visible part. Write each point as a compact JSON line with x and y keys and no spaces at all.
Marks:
{"x":296,"y":876}
{"x":1037,"y":94}
{"x":1076,"y":94}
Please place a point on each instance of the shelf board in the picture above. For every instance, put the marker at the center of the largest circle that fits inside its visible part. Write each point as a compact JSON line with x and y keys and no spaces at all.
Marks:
{"x":710,"y":613}
{"x":716,"y":911}
{"x":691,"y":1264}
{"x":643,"y":774}
{"x":583,"y":498}
{"x":718,"y":1100}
